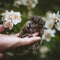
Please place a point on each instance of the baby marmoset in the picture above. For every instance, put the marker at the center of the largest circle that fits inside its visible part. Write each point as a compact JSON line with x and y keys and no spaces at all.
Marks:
{"x":33,"y":25}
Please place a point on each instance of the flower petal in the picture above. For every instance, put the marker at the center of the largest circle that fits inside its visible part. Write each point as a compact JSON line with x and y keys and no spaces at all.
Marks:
{"x":8,"y":24}
{"x":58,"y":26}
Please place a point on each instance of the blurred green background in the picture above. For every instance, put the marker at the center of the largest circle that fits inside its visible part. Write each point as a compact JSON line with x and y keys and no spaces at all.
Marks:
{"x":41,"y":8}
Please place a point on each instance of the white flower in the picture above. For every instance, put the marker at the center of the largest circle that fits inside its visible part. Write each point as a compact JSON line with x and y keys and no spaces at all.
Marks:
{"x":49,"y":24}
{"x":17,"y":3}
{"x":58,"y":26}
{"x":16,"y":18}
{"x":29,"y":3}
{"x":50,"y":19}
{"x":48,"y":33}
{"x":7,"y":15}
{"x":12,"y":17}
{"x":8,"y":24}
{"x":58,"y":16}
{"x":52,"y":16}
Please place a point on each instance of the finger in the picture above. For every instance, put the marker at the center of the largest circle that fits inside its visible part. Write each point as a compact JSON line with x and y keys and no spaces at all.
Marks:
{"x":17,"y":34}
{"x":1,"y":28}
{"x":35,"y":34}
{"x":1,"y":56}
{"x":33,"y":39}
{"x":27,"y":41}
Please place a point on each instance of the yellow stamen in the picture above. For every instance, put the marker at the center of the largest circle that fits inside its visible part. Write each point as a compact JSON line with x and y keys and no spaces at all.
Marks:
{"x":9,"y":16}
{"x":47,"y":35}
{"x":15,"y":17}
{"x":9,"y":24}
{"x":49,"y":25}
{"x":55,"y":19}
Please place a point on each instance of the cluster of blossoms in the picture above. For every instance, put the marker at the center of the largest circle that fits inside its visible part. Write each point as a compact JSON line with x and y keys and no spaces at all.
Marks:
{"x":29,"y":3}
{"x":11,"y":18}
{"x":52,"y":23}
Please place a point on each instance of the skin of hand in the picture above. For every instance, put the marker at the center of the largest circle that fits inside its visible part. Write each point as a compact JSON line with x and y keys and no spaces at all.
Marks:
{"x":7,"y":41}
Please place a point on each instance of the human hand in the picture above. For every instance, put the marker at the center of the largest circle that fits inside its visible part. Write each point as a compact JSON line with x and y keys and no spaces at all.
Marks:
{"x":7,"y":41}
{"x":14,"y":41}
